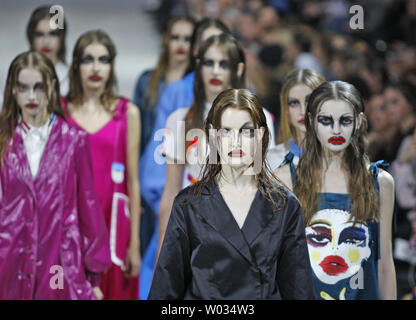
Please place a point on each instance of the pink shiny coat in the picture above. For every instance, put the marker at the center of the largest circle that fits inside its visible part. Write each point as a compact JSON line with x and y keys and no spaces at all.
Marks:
{"x":53,"y":239}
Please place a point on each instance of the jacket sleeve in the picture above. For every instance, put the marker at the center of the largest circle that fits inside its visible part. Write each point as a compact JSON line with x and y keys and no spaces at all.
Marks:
{"x":294,"y":274}
{"x":173,"y":273}
{"x":95,"y":239}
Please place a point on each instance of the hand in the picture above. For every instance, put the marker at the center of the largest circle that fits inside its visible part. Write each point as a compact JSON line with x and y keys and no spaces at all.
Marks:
{"x":98,"y":293}
{"x":133,"y":262}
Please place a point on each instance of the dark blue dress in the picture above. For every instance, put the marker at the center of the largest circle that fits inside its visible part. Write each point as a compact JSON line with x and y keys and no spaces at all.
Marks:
{"x":344,"y":256}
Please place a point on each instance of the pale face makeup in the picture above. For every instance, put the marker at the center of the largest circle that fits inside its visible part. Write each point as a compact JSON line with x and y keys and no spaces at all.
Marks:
{"x":215,"y":71}
{"x":46,"y":40}
{"x":336,"y":247}
{"x":179,"y":42}
{"x":95,"y":66}
{"x":297,"y":99}
{"x":31,"y":96}
{"x":237,"y":139}
{"x":334,"y":125}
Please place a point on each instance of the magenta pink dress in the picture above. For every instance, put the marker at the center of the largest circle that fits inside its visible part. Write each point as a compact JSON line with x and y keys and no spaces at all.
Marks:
{"x":109,"y":158}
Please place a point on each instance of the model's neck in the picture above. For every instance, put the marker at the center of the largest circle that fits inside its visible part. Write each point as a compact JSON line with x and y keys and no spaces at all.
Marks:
{"x":37,"y":120}
{"x":333,"y":161}
{"x":235,"y":178}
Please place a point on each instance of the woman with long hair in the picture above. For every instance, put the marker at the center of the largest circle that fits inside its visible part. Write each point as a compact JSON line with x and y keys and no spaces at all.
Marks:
{"x":113,"y":126}
{"x":347,"y":202}
{"x":54,"y":242}
{"x":296,"y":89}
{"x":234,"y":234}
{"x":50,"y":42}
{"x":174,"y":64}
{"x":220,"y":66}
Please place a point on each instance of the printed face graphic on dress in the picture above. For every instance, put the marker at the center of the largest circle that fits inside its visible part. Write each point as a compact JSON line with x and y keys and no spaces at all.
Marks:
{"x":216,"y":71}
{"x":336,"y":247}
{"x":46,"y":40}
{"x":30,"y":93}
{"x":297,"y":99}
{"x":95,"y":66}
{"x":238,"y":140}
{"x":334,"y":125}
{"x":180,"y":41}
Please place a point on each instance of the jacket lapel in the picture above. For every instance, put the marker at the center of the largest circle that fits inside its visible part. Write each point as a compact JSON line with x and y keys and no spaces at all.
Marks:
{"x":221,"y":219}
{"x":258,"y":218}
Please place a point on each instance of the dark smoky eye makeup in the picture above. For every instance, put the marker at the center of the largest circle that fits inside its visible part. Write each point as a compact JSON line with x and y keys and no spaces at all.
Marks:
{"x":54,"y":33}
{"x":224,"y":64}
{"x":247,"y":132}
{"x":21,"y":86}
{"x":346,"y":121}
{"x":325,"y":120}
{"x":208,"y":63}
{"x":38,"y":34}
{"x":105,"y":59}
{"x":87,"y":59}
{"x":38,"y":86}
{"x":174,"y":37}
{"x":188,"y":39}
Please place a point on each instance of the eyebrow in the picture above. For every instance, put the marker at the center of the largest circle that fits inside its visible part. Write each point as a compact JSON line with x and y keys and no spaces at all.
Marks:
{"x":320,"y":221}
{"x":246,"y":125}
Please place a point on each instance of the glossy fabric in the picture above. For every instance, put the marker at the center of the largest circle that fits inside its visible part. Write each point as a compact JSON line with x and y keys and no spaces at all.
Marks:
{"x":109,"y":159}
{"x":54,"y":220}
{"x":205,"y":255}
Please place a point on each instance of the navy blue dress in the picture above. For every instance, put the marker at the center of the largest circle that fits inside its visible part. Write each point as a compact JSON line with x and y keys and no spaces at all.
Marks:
{"x":344,"y":256}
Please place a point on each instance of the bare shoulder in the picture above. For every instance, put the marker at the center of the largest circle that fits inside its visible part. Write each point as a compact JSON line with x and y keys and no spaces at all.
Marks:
{"x":284,"y":176}
{"x":133,"y":111}
{"x":385,"y":181}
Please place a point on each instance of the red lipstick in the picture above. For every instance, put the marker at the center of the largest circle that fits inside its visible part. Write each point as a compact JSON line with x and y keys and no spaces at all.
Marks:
{"x":334,"y":265}
{"x":32,"y":105}
{"x":180,"y":51}
{"x":95,"y":78}
{"x":215,"y":82}
{"x":46,"y":50}
{"x":302,"y":121}
{"x":336,"y":140}
{"x":236,"y":154}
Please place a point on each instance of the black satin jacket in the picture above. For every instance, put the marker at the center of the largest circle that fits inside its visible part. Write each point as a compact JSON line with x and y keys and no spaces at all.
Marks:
{"x":205,"y":255}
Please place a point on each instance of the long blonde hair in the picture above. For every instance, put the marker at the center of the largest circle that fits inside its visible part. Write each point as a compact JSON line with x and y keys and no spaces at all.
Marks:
{"x":308,"y":77}
{"x":361,"y":186}
{"x":11,"y":111}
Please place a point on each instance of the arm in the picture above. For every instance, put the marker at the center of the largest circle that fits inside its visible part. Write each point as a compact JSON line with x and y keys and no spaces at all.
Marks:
{"x":173,"y":185}
{"x":386,"y":270}
{"x":294,"y":275}
{"x":172,"y":273}
{"x":133,"y":189}
{"x":95,"y":240}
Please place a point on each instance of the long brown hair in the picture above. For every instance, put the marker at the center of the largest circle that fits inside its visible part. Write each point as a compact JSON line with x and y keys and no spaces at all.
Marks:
{"x":361,"y":187}
{"x":309,"y":78}
{"x":195,"y":115}
{"x":240,"y":99}
{"x":11,"y":111}
{"x":76,"y":92}
{"x":163,"y":62}
{"x":39,"y":14}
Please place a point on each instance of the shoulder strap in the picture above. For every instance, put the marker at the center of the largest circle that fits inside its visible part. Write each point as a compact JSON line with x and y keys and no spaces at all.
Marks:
{"x":289,"y":160}
{"x":375,"y":170}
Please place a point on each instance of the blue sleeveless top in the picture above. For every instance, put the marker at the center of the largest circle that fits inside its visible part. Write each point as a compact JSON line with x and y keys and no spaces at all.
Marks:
{"x":344,"y":257}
